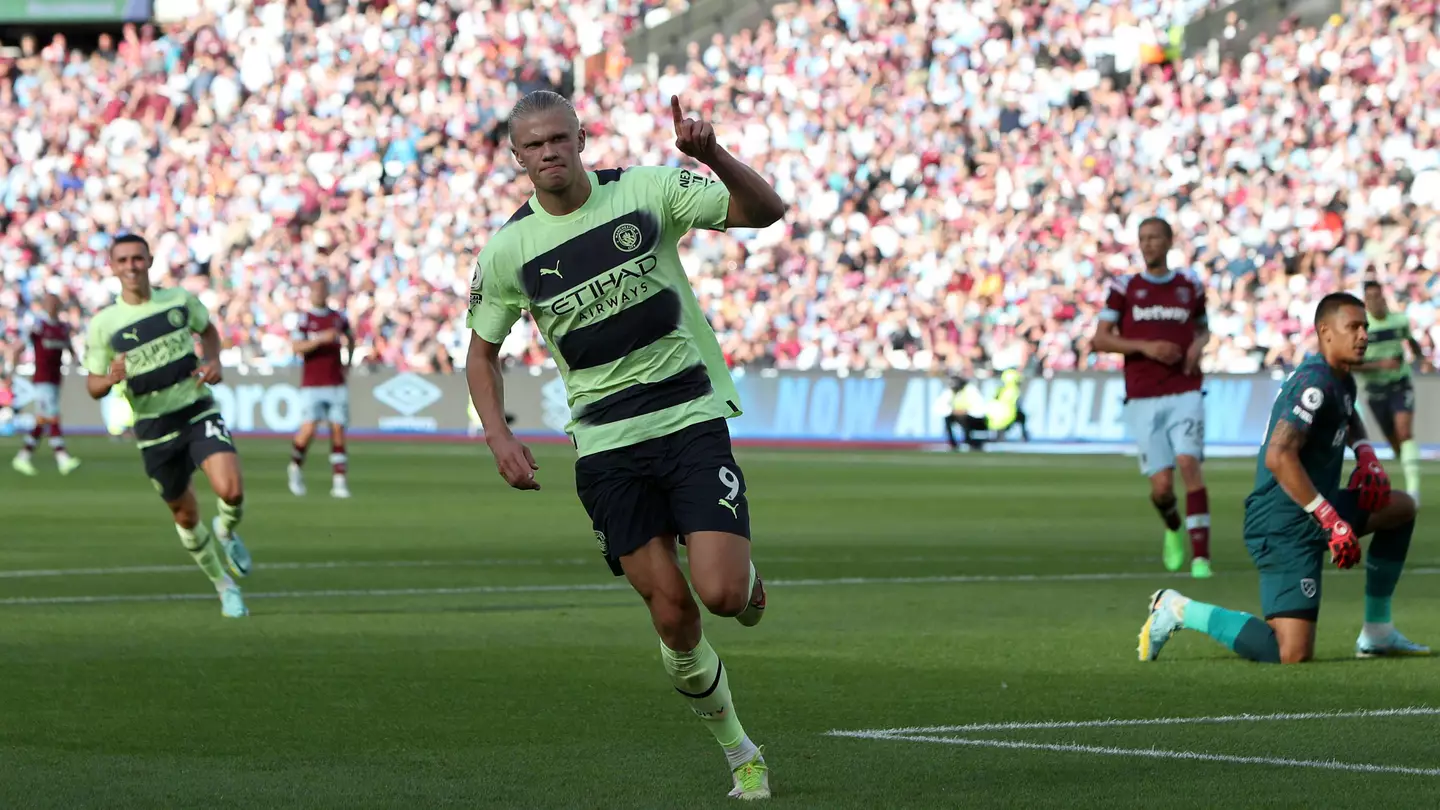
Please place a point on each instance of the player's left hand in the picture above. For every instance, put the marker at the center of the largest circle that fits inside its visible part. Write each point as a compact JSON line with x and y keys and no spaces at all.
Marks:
{"x":208,"y":373}
{"x":1193,"y":356}
{"x":692,"y":137}
{"x":1369,"y":480}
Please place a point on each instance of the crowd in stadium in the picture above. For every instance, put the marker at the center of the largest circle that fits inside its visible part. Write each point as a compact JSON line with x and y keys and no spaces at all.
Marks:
{"x":962,"y":176}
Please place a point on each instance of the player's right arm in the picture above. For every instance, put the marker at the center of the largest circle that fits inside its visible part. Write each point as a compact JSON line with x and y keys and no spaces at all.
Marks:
{"x":104,"y":369}
{"x":302,"y":345}
{"x":1107,"y":337}
{"x":495,"y":306}
{"x":1282,"y":459}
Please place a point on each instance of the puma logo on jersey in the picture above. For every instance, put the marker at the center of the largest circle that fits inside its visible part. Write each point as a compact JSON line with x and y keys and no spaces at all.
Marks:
{"x":551,"y":271}
{"x":1160,"y":313}
{"x":133,"y":334}
{"x":734,"y":508}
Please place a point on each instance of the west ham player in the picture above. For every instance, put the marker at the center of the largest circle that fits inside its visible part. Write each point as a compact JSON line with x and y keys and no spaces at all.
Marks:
{"x":1297,"y":510}
{"x":49,"y":339}
{"x":1157,"y":320}
{"x":592,"y":256}
{"x":146,"y":340}
{"x":317,"y":339}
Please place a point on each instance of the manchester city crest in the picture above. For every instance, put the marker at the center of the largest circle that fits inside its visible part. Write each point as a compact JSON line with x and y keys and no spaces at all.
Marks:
{"x":627,"y":237}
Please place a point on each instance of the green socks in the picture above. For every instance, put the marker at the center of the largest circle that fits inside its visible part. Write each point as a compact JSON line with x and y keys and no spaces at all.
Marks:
{"x":197,"y":541}
{"x":1377,"y":609}
{"x":1410,"y":463}
{"x":230,"y":515}
{"x":700,"y":676}
{"x":1247,"y":635}
{"x":1382,"y":570}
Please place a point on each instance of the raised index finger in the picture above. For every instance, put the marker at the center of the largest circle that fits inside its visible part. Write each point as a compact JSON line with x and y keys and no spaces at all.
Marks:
{"x":675,"y":112}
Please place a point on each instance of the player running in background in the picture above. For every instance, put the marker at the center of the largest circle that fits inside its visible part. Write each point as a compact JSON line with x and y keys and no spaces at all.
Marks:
{"x":1389,"y":391}
{"x":317,"y":339}
{"x":1298,"y":509}
{"x":49,"y":340}
{"x":1157,"y":319}
{"x":146,"y":340}
{"x":592,"y":256}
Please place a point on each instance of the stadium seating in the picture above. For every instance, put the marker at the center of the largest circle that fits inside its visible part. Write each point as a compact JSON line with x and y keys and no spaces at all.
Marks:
{"x":962,"y":177}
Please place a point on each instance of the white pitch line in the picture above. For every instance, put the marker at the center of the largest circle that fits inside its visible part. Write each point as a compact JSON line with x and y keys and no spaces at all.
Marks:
{"x":538,"y":562}
{"x":29,"y":573}
{"x":978,"y":579}
{"x":1413,"y":711}
{"x":319,"y":594}
{"x":1156,"y":753}
{"x":542,"y":562}
{"x":573,"y":587}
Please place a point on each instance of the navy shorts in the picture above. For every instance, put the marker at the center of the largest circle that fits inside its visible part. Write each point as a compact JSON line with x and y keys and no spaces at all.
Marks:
{"x":1387,"y":400}
{"x":171,"y":464}
{"x":670,"y":486}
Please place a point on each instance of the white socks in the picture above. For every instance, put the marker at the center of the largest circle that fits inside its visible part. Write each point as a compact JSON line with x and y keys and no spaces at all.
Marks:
{"x":742,"y":753}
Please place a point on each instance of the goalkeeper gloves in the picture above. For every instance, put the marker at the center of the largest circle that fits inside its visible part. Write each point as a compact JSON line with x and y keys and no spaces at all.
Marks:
{"x":1344,"y":545}
{"x":1371,"y":484}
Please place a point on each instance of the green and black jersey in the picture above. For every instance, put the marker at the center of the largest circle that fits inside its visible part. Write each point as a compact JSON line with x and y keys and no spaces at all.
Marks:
{"x":606,"y":287}
{"x":157,"y":339}
{"x":1388,"y":336}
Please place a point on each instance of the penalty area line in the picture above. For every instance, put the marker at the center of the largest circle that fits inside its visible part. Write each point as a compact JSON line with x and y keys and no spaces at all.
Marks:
{"x":1153,"y":753}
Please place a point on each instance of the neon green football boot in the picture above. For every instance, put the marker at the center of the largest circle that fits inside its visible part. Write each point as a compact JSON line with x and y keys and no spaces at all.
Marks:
{"x":1174,"y":550}
{"x":752,"y":780}
{"x":23,"y":465}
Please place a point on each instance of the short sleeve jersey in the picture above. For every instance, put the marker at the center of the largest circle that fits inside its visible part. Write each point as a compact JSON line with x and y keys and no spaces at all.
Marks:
{"x":1169,"y":308}
{"x":324,"y":366}
{"x":1387,"y":341}
{"x":606,"y":288}
{"x":1318,"y":401}
{"x":48,"y":342}
{"x":157,"y":339}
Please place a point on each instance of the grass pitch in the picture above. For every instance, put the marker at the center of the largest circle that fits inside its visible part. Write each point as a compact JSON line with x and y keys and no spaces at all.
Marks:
{"x":940,"y":629}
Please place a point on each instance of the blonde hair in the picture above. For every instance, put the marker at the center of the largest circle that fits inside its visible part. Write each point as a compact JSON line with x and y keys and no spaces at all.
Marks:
{"x":539,"y":101}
